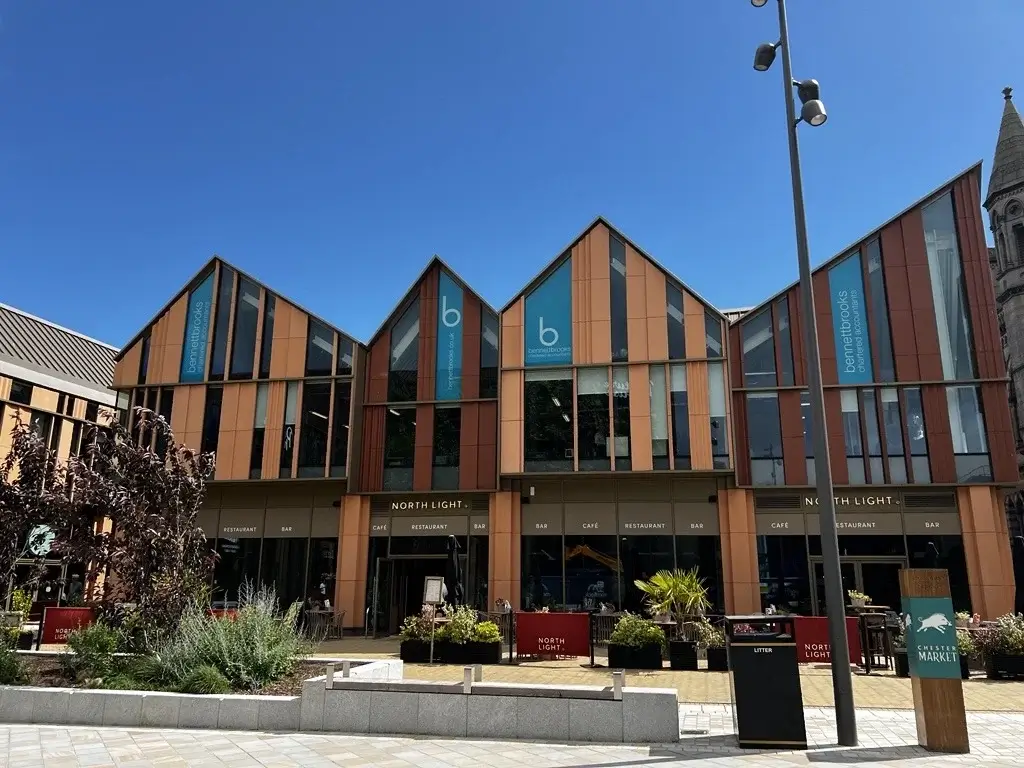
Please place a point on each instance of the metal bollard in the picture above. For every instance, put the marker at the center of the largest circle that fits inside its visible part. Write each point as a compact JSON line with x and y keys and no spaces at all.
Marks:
{"x":346,"y":668}
{"x":329,"y":678}
{"x":467,"y":680}
{"x":617,"y":680}
{"x":478,"y":673}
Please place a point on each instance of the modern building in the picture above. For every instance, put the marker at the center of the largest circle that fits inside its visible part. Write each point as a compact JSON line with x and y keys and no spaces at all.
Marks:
{"x":607,"y":422}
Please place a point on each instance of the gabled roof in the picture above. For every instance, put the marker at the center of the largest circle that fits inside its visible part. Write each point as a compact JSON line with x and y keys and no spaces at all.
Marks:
{"x":562,"y":254}
{"x":201,"y":273}
{"x":1008,"y":163}
{"x":48,"y":348}
{"x":408,"y":295}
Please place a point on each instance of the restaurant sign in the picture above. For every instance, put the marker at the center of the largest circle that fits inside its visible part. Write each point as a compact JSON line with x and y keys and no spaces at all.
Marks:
{"x":430,"y":504}
{"x":552,"y":634}
{"x":860,"y":500}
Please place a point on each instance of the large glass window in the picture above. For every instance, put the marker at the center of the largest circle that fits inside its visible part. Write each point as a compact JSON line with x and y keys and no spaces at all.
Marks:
{"x":676,"y":335}
{"x":238,"y":561}
{"x":765,"y":439}
{"x":712,"y":334}
{"x":542,"y":572}
{"x":918,"y":436}
{"x":267,"y":335}
{"x":705,"y":554}
{"x":716,"y":403}
{"x":259,"y":432}
{"x":893,"y":433}
{"x":948,"y":294}
{"x":680,"y":416}
{"x":548,"y":422}
{"x":340,"y":428}
{"x":291,"y":407}
{"x":785,"y":582}
{"x":620,"y":336}
{"x":345,"y":361}
{"x":319,"y":349}
{"x":943,"y":552}
{"x":852,"y":436}
{"x":785,"y":342}
{"x":322,"y":571}
{"x":592,"y":569}
{"x":399,"y":448}
{"x":211,"y":419}
{"x":970,"y":444}
{"x":405,"y":355}
{"x":642,"y":557}
{"x":144,"y":359}
{"x":659,"y":417}
{"x":165,"y":411}
{"x":447,"y":436}
{"x":243,"y":340}
{"x":488,"y":354}
{"x":880,"y":312}
{"x":620,"y":418}
{"x":21,"y":392}
{"x":316,"y":408}
{"x":807,"y":419}
{"x":284,"y":567}
{"x":872,"y":438}
{"x":758,"y":350}
{"x":221,"y":322}
{"x":593,"y":414}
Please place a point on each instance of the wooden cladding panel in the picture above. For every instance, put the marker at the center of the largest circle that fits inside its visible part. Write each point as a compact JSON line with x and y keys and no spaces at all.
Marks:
{"x":226,"y":436}
{"x":699,"y":409}
{"x":640,"y":448}
{"x":512,"y":334}
{"x":157,"y":342}
{"x":371,"y":467}
{"x":191,"y":401}
{"x":926,"y":335}
{"x":426,"y":372}
{"x":656,"y":306}
{"x":5,"y":390}
{"x":126,"y":372}
{"x":796,"y":332}
{"x":377,"y":366}
{"x":1001,"y":439}
{"x":166,"y":338}
{"x":242,"y":448}
{"x":469,"y":447}
{"x":478,"y":449}
{"x":836,"y":438}
{"x":826,"y":338}
{"x":274,"y":432}
{"x":471,"y":310}
{"x":592,"y":299}
{"x":298,"y":329}
{"x":735,"y":342}
{"x":693,"y":327}
{"x":636,"y":306}
{"x":940,"y":438}
{"x":793,"y":453}
{"x":740,"y":445}
{"x":901,"y":309}
{"x":423,"y":457}
{"x":44,"y":399}
{"x":511,"y":432}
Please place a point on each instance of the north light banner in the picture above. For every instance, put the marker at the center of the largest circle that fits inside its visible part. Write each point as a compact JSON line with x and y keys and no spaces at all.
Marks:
{"x":449,"y":339}
{"x":548,"y":319}
{"x":850,"y":322}
{"x":197,"y":331}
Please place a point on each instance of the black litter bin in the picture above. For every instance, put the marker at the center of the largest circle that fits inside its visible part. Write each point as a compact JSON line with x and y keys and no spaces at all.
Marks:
{"x":768,"y":705}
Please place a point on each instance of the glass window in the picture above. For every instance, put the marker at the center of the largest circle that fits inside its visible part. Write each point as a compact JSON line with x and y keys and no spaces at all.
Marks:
{"x":948,"y":290}
{"x":76,"y":436}
{"x":782,"y":564}
{"x":316,"y":408}
{"x":852,"y":437}
{"x":319,"y":349}
{"x":291,"y":407}
{"x":399,"y":448}
{"x":765,"y":439}
{"x":238,"y":561}
{"x":943,"y":552}
{"x":542,"y":583}
{"x":593,"y":412}
{"x":144,"y":359}
{"x":165,"y":410}
{"x":323,"y":567}
{"x":488,"y":353}
{"x":405,"y":355}
{"x":447,"y":436}
{"x":40,"y":423}
{"x":221,"y":322}
{"x":267,"y":335}
{"x":970,"y":445}
{"x":712,"y":334}
{"x":705,"y":554}
{"x":92,"y":410}
{"x":676,"y":334}
{"x":872,"y":438}
{"x":620,"y":418}
{"x":880,"y":312}
{"x":548,"y":423}
{"x":785,"y":342}
{"x":642,"y":557}
{"x":918,"y":436}
{"x":680,"y":416}
{"x":758,"y":350}
{"x":283,"y":566}
{"x":345,"y":359}
{"x":716,"y":403}
{"x":592,"y":570}
{"x":808,"y":421}
{"x":1018,"y":239}
{"x":891,"y":422}
{"x":21,"y":393}
{"x":340,"y":428}
{"x":259,"y":432}
{"x":659,"y":417}
{"x":211,"y":419}
{"x":243,"y":339}
{"x":620,"y":335}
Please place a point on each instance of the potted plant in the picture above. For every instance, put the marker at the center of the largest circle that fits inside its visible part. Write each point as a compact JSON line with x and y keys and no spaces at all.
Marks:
{"x":899,"y":650}
{"x":680,"y":594}
{"x":484,"y":646}
{"x":962,"y":619}
{"x":455,"y":636}
{"x":965,"y":648}
{"x":415,"y":636}
{"x":1003,"y":647}
{"x":13,"y":620}
{"x":858,"y":599}
{"x":713,"y":639}
{"x":635,"y":643}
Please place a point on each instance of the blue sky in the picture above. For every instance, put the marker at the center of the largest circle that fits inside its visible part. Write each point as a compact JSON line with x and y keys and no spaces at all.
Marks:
{"x":330,"y":148}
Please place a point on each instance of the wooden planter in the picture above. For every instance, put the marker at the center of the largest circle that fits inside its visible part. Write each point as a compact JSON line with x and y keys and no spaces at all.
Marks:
{"x":468,"y":653}
{"x":1004,"y":666}
{"x":416,"y":651}
{"x":630,"y":657}
{"x":682,"y":654}
{"x":718,"y":660}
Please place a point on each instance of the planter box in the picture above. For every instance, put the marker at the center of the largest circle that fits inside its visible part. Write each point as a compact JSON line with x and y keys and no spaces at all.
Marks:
{"x":965,"y":670}
{"x":901,"y":663}
{"x":25,"y":641}
{"x":469,"y":653}
{"x":416,"y":651}
{"x":629,"y":657}
{"x":718,"y":660}
{"x":682,"y":654}
{"x":1004,"y":666}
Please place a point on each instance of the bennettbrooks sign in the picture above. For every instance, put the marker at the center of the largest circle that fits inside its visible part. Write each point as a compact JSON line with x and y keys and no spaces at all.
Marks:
{"x":872,"y":500}
{"x":407,"y":505}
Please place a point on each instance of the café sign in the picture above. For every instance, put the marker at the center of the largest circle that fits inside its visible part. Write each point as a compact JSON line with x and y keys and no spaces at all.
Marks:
{"x":864,"y":500}
{"x":428,"y":505}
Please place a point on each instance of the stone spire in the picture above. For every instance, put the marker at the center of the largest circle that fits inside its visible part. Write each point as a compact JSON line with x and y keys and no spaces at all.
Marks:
{"x":1008,"y":164}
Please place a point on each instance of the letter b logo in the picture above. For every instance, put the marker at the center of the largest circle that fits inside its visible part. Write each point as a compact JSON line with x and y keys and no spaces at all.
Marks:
{"x":548,"y":337}
{"x":450,"y":316}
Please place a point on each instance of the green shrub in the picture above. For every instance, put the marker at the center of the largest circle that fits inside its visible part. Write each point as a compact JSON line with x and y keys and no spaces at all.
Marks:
{"x":92,"y":652}
{"x":486,"y":632}
{"x":21,"y":601}
{"x":12,"y":668}
{"x":965,"y":645}
{"x":460,"y":625}
{"x":417,"y":627}
{"x":634,"y":631}
{"x":9,"y":637}
{"x":121,"y":681}
{"x":708,"y":634}
{"x":205,"y":679}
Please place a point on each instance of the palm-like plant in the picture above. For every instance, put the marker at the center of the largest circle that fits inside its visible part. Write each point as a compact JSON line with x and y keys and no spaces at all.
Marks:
{"x":679,"y":593}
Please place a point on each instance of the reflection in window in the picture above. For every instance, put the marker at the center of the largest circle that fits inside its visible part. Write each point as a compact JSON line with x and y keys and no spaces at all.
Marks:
{"x":211,"y":419}
{"x":948,"y":290}
{"x":284,"y":567}
{"x":291,"y":407}
{"x":165,"y":411}
{"x":917,"y":436}
{"x":243,"y":339}
{"x":943,"y":552}
{"x":765,"y":439}
{"x":712,"y":334}
{"x":345,"y":361}
{"x":680,"y":416}
{"x":144,"y":359}
{"x":676,"y":335}
{"x":970,"y":445}
{"x":319,"y":349}
{"x":716,"y":405}
{"x":221,"y":322}
{"x":316,"y":407}
{"x":405,"y":353}
{"x":642,"y":557}
{"x":593,"y":416}
{"x":267,"y":335}
{"x":620,"y":337}
{"x":488,"y":353}
{"x":21,"y":393}
{"x":447,"y":435}
{"x":323,"y":567}
{"x":893,"y":434}
{"x":399,"y":448}
{"x":852,"y":437}
{"x":548,"y":424}
{"x":808,"y":422}
{"x":872,"y":439}
{"x":758,"y":350}
{"x":542,"y":573}
{"x":620,"y":418}
{"x":340,"y":428}
{"x":785,"y":342}
{"x":238,"y":561}
{"x":705,"y":554}
{"x":879,"y":313}
{"x":592,"y":571}
{"x":259,"y":432}
{"x":782,"y":564}
{"x":659,"y":417}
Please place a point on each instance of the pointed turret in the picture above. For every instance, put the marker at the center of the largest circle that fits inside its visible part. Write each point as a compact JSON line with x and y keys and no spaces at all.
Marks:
{"x":1008,"y":164}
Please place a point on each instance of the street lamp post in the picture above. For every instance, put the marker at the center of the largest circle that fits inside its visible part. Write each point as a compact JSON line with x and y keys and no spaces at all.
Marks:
{"x":813,"y":113}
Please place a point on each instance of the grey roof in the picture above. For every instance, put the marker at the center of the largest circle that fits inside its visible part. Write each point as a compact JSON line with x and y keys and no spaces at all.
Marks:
{"x":48,"y":348}
{"x":1008,"y":164}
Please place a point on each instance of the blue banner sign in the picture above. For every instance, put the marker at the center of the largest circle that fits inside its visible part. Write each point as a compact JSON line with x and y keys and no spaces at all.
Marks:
{"x":850,"y":321}
{"x":449,"y":339}
{"x":931,"y":638}
{"x":197,"y":331}
{"x":548,"y":320}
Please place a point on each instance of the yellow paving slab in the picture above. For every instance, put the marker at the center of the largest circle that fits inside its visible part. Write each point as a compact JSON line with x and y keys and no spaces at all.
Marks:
{"x":879,"y":690}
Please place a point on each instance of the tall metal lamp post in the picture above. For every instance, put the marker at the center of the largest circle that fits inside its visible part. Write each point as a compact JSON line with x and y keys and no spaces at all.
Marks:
{"x":813,"y":113}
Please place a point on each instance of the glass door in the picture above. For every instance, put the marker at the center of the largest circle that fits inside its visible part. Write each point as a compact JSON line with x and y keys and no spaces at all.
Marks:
{"x":880,"y":580}
{"x":380,"y":598}
{"x":849,"y":574}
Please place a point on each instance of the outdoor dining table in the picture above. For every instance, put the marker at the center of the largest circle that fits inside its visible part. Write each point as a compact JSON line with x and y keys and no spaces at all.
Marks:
{"x":323,"y":622}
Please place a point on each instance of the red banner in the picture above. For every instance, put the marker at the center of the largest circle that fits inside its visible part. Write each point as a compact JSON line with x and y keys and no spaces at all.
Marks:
{"x":553,"y":634}
{"x":58,"y":623}
{"x":813,"y":644}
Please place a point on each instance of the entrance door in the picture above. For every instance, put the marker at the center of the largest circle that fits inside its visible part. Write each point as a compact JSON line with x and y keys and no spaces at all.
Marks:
{"x":381,"y":596}
{"x":849,"y":573}
{"x":876,"y":577}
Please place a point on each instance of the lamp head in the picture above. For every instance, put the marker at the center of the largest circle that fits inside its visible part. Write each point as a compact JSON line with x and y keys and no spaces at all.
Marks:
{"x":764,"y":56}
{"x":758,"y":3}
{"x":813,"y":113}
{"x":808,"y":90}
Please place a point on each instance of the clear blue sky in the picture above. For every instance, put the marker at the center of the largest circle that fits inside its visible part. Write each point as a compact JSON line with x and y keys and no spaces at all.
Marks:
{"x":330,"y":148}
